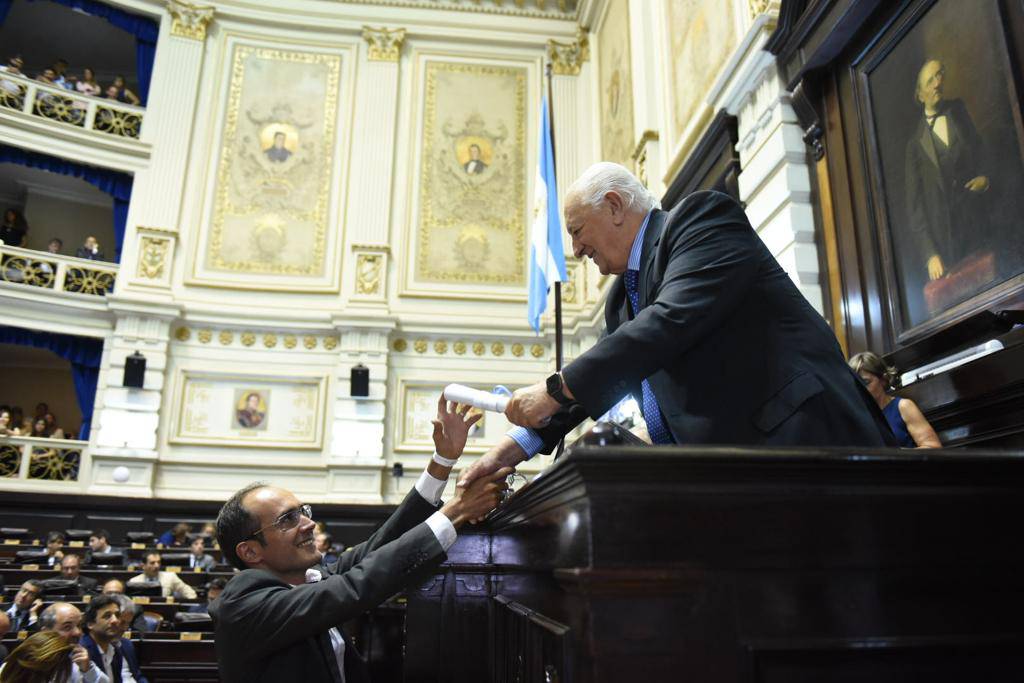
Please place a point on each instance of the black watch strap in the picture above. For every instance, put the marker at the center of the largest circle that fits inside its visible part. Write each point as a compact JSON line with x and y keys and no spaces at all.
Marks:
{"x":554,"y":387}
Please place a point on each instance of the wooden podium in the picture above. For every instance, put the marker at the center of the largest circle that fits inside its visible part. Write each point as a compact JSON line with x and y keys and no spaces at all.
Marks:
{"x":624,"y":563}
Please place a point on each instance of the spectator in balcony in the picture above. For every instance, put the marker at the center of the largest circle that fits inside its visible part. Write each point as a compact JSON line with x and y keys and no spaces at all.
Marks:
{"x":176,"y":537}
{"x":123,"y":93}
{"x":40,"y":430}
{"x":54,"y":545}
{"x":198,"y":558}
{"x":70,"y":570}
{"x":132,"y":615}
{"x":52,"y":429}
{"x":55,"y":245}
{"x":14,"y":229}
{"x":41,"y":410}
{"x":90,"y":249}
{"x":60,"y":75}
{"x":12,"y":92}
{"x":87,"y":85}
{"x":13,"y":66}
{"x":48,"y":76}
{"x":170,"y":584}
{"x":17,"y":418}
{"x":5,"y":423}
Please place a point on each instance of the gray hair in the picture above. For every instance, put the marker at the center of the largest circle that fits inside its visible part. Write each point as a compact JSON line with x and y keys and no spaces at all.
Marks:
{"x":604,"y":177}
{"x":48,"y":617}
{"x":124,"y":602}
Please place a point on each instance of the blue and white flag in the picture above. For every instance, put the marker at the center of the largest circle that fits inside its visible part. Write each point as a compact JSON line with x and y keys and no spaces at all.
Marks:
{"x":547,"y":257}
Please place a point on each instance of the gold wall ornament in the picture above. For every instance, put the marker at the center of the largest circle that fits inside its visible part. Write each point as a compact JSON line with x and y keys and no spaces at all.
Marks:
{"x":247,"y":338}
{"x":331,"y":343}
{"x":440,"y":347}
{"x":309,"y":342}
{"x":88,"y":281}
{"x":498,"y":349}
{"x":368,"y":272}
{"x":478,"y":348}
{"x":183,"y":334}
{"x":290,"y":341}
{"x":471,"y":227}
{"x":152,"y":255}
{"x":420,"y":346}
{"x":189,"y":21}
{"x":570,"y":288}
{"x":537,"y":350}
{"x":400,"y":345}
{"x":118,"y":122}
{"x":758,"y":7}
{"x":270,"y":340}
{"x":226,"y":337}
{"x":459,"y":347}
{"x":385,"y":45}
{"x":204,"y":336}
{"x":567,"y":58}
{"x":517,"y":350}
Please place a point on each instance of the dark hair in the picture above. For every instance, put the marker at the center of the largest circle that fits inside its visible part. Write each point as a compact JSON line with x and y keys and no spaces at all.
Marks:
{"x":96,"y":604}
{"x":235,"y":524}
{"x":37,"y":585}
{"x":145,"y":558}
{"x":216,"y":583}
{"x":53,"y":535}
{"x":328,"y":538}
{"x":102,"y":533}
{"x":57,"y":240}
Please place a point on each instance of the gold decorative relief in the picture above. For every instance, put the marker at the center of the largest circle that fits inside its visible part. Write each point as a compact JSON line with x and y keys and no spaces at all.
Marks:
{"x":537,"y":350}
{"x":226,"y":337}
{"x":385,"y":45}
{"x":570,"y":288}
{"x":247,"y":338}
{"x":459,"y":347}
{"x":183,"y":334}
{"x":152,"y":254}
{"x":189,"y":21}
{"x":368,"y":272}
{"x":517,"y":350}
{"x":440,"y":347}
{"x":498,"y":349}
{"x":471,"y":227}
{"x":478,"y":348}
{"x":309,"y":342}
{"x":330,"y":343}
{"x":290,"y":341}
{"x":420,"y":345}
{"x":270,"y":340}
{"x":204,"y":336}
{"x":400,"y":345}
{"x":567,"y":58}
{"x":275,"y":171}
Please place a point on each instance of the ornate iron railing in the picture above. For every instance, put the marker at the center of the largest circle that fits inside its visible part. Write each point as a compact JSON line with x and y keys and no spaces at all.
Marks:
{"x":70,"y":107}
{"x":30,"y":459}
{"x":55,"y":272}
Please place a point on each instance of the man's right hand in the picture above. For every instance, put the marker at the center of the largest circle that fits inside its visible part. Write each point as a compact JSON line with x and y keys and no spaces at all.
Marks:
{"x":506,"y":453}
{"x":80,"y":657}
{"x":477,"y":499}
{"x":935,"y":267}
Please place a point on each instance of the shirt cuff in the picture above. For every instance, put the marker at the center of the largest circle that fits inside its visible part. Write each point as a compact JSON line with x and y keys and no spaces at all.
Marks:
{"x":528,"y":440}
{"x":443,"y":529}
{"x":430,"y":487}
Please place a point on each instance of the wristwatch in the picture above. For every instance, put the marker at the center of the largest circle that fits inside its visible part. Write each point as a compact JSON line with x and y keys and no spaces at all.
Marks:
{"x":554,"y":386}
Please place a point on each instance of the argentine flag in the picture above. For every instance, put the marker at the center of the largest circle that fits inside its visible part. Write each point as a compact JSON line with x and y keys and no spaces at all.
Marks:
{"x":547,"y":258}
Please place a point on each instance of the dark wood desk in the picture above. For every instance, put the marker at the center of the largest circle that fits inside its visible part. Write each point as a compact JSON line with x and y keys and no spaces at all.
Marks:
{"x":15,"y":575}
{"x":701,"y":564}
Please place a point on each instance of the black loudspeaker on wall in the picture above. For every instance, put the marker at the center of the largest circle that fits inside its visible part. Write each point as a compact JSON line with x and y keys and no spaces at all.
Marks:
{"x":360,"y":380}
{"x":134,"y":370}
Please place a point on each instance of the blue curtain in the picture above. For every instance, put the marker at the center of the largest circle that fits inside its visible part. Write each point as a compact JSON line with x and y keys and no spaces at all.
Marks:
{"x":5,"y":7}
{"x":145,"y":31}
{"x":84,"y":354}
{"x":118,"y":185}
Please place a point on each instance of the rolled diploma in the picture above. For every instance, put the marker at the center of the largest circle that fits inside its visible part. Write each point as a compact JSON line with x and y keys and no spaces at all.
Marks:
{"x":475,"y":397}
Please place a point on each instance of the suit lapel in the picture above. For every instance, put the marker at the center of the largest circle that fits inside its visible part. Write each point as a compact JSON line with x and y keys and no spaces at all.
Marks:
{"x":652,"y":237}
{"x":327,"y":650}
{"x":927,"y":143}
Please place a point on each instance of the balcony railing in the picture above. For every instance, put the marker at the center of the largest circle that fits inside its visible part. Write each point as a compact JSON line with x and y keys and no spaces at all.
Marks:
{"x":27,"y":458}
{"x":70,"y":107}
{"x":55,"y":272}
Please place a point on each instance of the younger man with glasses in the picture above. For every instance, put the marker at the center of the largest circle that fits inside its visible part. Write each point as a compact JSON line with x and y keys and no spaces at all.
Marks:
{"x":278,"y":620}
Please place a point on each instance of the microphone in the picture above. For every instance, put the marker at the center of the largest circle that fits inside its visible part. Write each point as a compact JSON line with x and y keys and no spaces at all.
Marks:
{"x":459,"y":393}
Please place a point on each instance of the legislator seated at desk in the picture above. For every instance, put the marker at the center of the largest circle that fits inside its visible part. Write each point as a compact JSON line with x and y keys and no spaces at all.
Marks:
{"x":703,"y":328}
{"x":170,"y":583}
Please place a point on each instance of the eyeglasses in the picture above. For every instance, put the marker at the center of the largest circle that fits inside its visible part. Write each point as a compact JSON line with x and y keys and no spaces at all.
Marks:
{"x":287,"y":521}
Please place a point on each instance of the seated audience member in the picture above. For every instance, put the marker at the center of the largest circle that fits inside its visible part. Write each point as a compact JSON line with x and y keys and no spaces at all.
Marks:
{"x":5,"y":424}
{"x":87,"y":85}
{"x":60,"y":75}
{"x":24,"y":613}
{"x":52,"y":429}
{"x":41,"y":657}
{"x":13,"y":66}
{"x":907,"y":421}
{"x":47,"y":76}
{"x":324,"y":543}
{"x":176,"y":537}
{"x":198,"y":559}
{"x":279,"y":618}
{"x":170,"y":584}
{"x":104,"y":643}
{"x":213,"y":591}
{"x":54,"y":543}
{"x":41,"y":410}
{"x":123,"y":93}
{"x":55,"y":245}
{"x":99,"y":542}
{"x":65,"y":620}
{"x":132,"y":615}
{"x":14,"y":229}
{"x":70,"y":568}
{"x":90,"y":249}
{"x":5,"y":628}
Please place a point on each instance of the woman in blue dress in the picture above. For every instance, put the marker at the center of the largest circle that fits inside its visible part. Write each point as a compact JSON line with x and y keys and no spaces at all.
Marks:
{"x":907,"y":421}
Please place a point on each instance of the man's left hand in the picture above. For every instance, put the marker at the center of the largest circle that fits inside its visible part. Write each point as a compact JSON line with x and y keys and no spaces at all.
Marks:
{"x":531,"y":406}
{"x":977,"y":184}
{"x":451,"y":428}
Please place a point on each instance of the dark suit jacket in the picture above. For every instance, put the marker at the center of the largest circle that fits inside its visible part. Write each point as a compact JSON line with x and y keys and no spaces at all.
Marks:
{"x":732,"y":350}
{"x":268,"y":631}
{"x":87,"y":584}
{"x":122,"y":651}
{"x":10,"y":610}
{"x":82,"y":252}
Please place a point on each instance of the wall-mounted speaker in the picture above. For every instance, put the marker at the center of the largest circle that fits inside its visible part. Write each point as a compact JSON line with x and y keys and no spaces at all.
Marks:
{"x":360,"y":381}
{"x":134,"y":370}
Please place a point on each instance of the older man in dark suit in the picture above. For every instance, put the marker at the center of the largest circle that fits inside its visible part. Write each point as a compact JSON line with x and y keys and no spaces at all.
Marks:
{"x":278,"y":620}
{"x":703,"y":328}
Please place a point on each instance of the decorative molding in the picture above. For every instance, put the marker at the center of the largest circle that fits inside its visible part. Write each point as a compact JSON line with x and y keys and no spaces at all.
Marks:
{"x":538,"y":9}
{"x":369,"y":268}
{"x":567,"y":58}
{"x":189,"y":21}
{"x":385,"y":44}
{"x":639,"y":155}
{"x":269,"y":338}
{"x":460,"y":347}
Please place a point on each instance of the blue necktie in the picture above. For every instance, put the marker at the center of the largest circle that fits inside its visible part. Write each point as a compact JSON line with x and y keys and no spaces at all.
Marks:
{"x":656,"y":428}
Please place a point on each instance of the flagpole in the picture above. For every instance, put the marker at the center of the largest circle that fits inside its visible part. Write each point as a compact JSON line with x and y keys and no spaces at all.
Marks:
{"x":558,"y":284}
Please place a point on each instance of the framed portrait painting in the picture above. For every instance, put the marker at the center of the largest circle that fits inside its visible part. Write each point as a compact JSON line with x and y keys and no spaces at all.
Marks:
{"x":944,"y":145}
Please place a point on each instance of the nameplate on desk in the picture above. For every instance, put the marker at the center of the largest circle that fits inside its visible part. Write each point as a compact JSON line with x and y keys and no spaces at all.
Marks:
{"x":127,"y":635}
{"x":86,"y":598}
{"x":141,"y":599}
{"x":12,"y":541}
{"x":35,"y":541}
{"x":30,"y":567}
{"x":190,"y":635}
{"x":173,"y":570}
{"x":138,"y":546}
{"x":170,"y":599}
{"x":76,"y":544}
{"x":22,"y":635}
